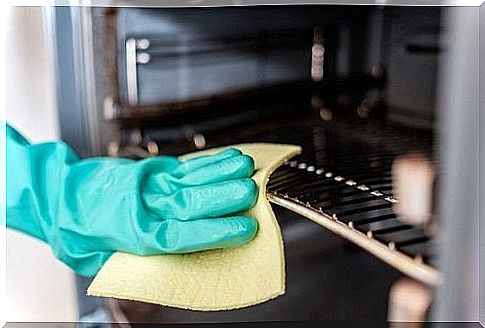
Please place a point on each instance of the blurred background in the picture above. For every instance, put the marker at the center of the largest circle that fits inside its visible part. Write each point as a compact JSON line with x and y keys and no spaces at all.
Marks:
{"x":384,"y":98}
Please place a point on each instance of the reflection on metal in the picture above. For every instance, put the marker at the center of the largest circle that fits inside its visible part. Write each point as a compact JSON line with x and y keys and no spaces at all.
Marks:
{"x":133,"y":58}
{"x":109,"y":108}
{"x":143,"y":58}
{"x":326,"y":114}
{"x":363,"y":111}
{"x":131,"y":72}
{"x":377,"y":71}
{"x":152,"y":148}
{"x":199,"y":141}
{"x":142,"y":44}
{"x":113,"y":149}
{"x":318,"y":55}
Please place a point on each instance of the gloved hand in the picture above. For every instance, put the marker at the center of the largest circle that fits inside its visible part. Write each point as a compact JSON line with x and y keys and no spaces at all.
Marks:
{"x":88,"y":209}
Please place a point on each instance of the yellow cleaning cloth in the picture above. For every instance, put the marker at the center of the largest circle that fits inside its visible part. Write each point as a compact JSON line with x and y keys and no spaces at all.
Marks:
{"x":211,"y":280}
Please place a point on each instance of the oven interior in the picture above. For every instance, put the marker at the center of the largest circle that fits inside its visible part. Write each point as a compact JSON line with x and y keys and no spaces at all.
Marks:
{"x":355,"y":86}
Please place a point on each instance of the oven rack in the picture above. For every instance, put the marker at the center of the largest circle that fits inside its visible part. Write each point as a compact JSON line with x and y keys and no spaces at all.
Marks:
{"x":358,"y":212}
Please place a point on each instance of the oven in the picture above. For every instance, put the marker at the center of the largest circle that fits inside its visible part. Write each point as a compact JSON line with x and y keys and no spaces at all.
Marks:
{"x":358,"y":87}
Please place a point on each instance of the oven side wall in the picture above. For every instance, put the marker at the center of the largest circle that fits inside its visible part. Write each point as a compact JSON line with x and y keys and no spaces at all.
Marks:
{"x":482,"y":164}
{"x":458,"y":111}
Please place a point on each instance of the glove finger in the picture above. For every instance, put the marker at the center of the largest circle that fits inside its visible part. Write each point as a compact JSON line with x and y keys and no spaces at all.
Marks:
{"x":232,"y":168}
{"x":212,"y":200}
{"x":159,"y":163}
{"x":175,"y":236}
{"x":196,"y":163}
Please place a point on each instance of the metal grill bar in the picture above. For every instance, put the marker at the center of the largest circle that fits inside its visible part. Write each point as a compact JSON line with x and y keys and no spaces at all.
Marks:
{"x":363,"y":206}
{"x":406,"y":263}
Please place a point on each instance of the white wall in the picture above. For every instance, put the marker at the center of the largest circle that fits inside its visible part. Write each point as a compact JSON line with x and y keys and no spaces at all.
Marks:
{"x":39,"y":288}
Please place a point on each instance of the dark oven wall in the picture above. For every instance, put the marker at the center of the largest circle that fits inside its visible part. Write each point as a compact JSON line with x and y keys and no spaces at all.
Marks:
{"x":182,"y":79}
{"x":249,"y":49}
{"x":187,"y":74}
{"x":204,"y":52}
{"x":192,"y":53}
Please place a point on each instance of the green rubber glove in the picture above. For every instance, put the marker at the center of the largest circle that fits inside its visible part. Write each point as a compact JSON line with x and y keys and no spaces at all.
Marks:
{"x":88,"y":209}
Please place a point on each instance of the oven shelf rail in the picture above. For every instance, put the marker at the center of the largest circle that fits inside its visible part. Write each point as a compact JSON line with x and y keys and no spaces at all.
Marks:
{"x":358,"y":212}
